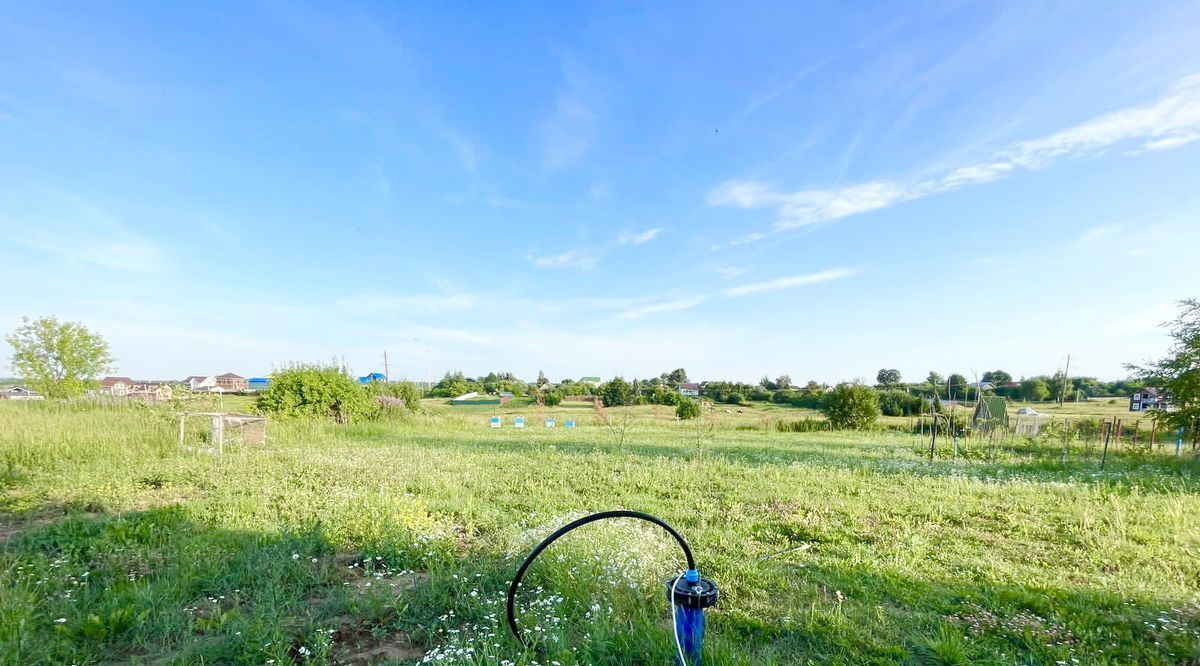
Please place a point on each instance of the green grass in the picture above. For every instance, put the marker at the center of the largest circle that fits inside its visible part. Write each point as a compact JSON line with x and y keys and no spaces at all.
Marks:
{"x":844,"y":548}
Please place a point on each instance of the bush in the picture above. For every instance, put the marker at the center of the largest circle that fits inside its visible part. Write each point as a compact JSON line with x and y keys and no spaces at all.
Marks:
{"x":317,"y":390}
{"x":454,"y":384}
{"x":616,"y":393}
{"x":760,"y":394}
{"x":552,"y":398}
{"x":687,"y":409}
{"x":807,"y":399}
{"x":403,"y":391}
{"x":899,"y":403}
{"x":851,"y":407}
{"x":783,"y":397}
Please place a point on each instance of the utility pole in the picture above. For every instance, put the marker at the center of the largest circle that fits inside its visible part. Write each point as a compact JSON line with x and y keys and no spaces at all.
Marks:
{"x":387,"y":376}
{"x":1066,"y":378}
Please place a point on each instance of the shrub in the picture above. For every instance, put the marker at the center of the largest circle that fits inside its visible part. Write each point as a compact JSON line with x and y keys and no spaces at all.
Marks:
{"x":552,"y":398}
{"x":851,"y":407}
{"x":687,"y":409}
{"x":898,"y":403}
{"x":760,"y":394}
{"x":407,"y":392}
{"x":803,"y":425}
{"x":616,"y":393}
{"x":454,"y":384}
{"x":317,"y":390}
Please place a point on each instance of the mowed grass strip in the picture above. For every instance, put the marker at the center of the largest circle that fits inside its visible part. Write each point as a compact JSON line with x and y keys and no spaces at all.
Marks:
{"x":394,"y":542}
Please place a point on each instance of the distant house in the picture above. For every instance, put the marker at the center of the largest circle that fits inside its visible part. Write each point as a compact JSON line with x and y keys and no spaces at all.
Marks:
{"x":19,"y":393}
{"x":200,"y":383}
{"x":151,"y":391}
{"x":116,"y":386}
{"x":231,"y":382}
{"x":373,"y":377}
{"x":1150,"y":398}
{"x":258,"y":383}
{"x":505,"y":396}
{"x":690,"y":389}
{"x":983,"y":386}
{"x":593,"y":382}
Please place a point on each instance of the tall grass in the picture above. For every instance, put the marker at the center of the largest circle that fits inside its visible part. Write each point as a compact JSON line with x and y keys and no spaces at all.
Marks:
{"x":829,"y":547}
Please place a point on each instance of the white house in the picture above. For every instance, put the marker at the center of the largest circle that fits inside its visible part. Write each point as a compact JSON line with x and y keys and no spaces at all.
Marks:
{"x":116,"y":386}
{"x":200,"y":383}
{"x":690,"y":389}
{"x":19,"y":393}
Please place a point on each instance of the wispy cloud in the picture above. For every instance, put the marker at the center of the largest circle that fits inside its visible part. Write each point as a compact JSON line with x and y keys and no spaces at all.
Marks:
{"x":568,"y":133}
{"x":776,"y":92}
{"x":1169,"y":142}
{"x":788,"y":282}
{"x":748,"y":238}
{"x":402,"y":304}
{"x":581,"y":259}
{"x":462,"y":147}
{"x":630,"y":238}
{"x":730,"y":271}
{"x":665,"y":306}
{"x":79,"y":231}
{"x":1096,"y":233}
{"x":1168,"y":122}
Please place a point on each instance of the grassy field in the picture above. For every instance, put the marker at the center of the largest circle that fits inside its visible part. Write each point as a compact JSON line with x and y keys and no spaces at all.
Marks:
{"x":395,"y":541}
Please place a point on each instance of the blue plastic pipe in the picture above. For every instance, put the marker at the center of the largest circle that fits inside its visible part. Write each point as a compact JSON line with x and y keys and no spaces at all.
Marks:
{"x":689,"y":622}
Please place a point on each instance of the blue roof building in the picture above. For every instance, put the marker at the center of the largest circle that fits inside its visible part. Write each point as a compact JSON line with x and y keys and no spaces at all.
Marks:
{"x":373,"y":377}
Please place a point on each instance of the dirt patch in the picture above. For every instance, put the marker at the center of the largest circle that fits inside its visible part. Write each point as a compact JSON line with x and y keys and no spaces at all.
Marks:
{"x":364,"y":575}
{"x":10,"y":525}
{"x":355,"y":645}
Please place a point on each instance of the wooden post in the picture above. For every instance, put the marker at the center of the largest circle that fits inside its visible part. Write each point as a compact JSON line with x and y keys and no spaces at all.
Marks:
{"x":1137,"y":428}
{"x":218,"y":432}
{"x":933,"y":441}
{"x":1153,"y":434}
{"x":1066,"y":431}
{"x":1107,"y":437}
{"x":182,"y":428}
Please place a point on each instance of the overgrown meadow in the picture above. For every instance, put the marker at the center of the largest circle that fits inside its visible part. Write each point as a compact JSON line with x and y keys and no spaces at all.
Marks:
{"x":394,"y":542}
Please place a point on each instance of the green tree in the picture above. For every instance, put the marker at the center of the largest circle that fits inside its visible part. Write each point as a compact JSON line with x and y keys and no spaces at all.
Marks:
{"x":996,"y":377}
{"x":851,"y":407}
{"x":615,"y":393}
{"x":323,"y":391}
{"x":767,"y":384}
{"x":541,"y":380}
{"x":783,"y":382}
{"x":958,"y":385}
{"x":888,"y":378}
{"x":1035,"y":389}
{"x":59,"y":359}
{"x":935,"y":380}
{"x":454,"y":384}
{"x":1061,"y":386}
{"x":676,"y":377}
{"x":687,"y":409}
{"x":1177,"y":375}
{"x":898,"y":403}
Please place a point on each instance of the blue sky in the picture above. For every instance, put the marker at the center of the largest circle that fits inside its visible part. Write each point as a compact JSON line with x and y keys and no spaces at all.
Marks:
{"x":603,"y":188}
